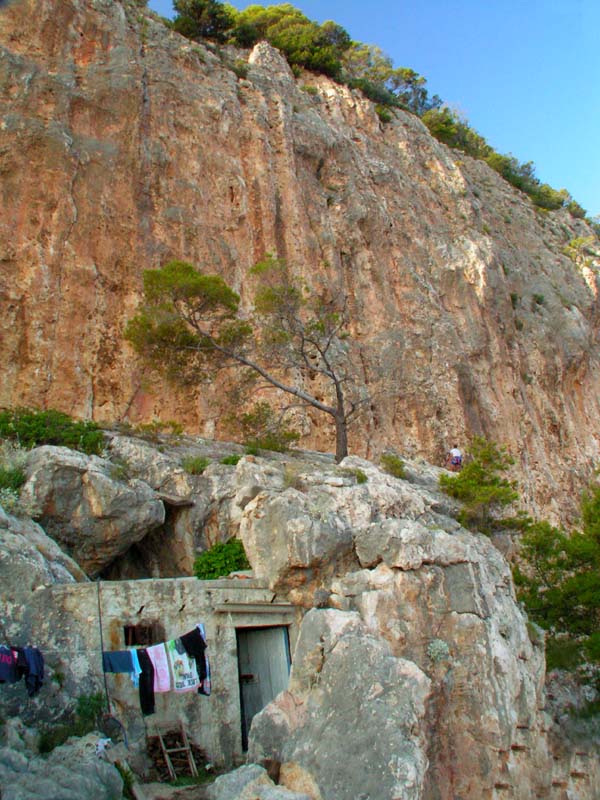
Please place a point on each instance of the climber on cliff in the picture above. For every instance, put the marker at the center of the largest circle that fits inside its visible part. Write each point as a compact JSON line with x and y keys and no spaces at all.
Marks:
{"x":454,"y":459}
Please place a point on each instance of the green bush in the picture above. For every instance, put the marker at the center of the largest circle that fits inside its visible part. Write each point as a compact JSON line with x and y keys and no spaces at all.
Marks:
{"x":128,"y":779}
{"x":262,"y":429}
{"x":89,"y":708}
{"x":438,"y":650}
{"x":393,"y":465}
{"x":480,"y":486}
{"x":360,"y":476}
{"x":240,"y":68}
{"x":119,"y":470}
{"x":384,"y":114}
{"x":201,"y":19}
{"x":276,"y":441}
{"x":11,"y":502}
{"x":537,"y":300}
{"x":152,"y":430}
{"x":195,"y":465}
{"x":32,"y":428}
{"x":87,"y":717}
{"x":374,"y":91}
{"x":231,"y":460}
{"x":575,"y":210}
{"x":292,"y":478}
{"x":220,"y":560}
{"x":194,"y":780}
{"x":11,"y":478}
{"x":303,"y":42}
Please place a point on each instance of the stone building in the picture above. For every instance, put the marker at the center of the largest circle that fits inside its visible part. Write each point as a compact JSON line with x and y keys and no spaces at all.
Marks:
{"x":249,"y":632}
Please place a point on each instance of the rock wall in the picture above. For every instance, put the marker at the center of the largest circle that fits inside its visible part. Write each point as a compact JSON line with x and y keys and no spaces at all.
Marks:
{"x":422,"y":679}
{"x":123,"y":145}
{"x":415,"y":672}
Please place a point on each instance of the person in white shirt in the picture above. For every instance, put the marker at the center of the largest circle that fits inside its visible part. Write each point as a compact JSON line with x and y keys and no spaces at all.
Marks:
{"x":454,"y":459}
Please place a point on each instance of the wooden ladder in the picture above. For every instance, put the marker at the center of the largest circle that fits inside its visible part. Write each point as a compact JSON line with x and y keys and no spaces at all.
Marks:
{"x":181,"y":746}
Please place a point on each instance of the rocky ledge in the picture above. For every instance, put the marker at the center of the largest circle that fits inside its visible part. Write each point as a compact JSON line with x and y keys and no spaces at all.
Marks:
{"x":416,"y":673}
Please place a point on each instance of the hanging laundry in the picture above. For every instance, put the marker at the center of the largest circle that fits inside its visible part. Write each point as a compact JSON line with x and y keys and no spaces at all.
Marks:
{"x":135,"y":674}
{"x":205,"y":684}
{"x":181,"y":665}
{"x":146,"y":687}
{"x":34,"y":677}
{"x":22,"y":665}
{"x":8,"y":665}
{"x":195,"y":647}
{"x":117,"y":661}
{"x":160,"y":662}
{"x":183,"y":668}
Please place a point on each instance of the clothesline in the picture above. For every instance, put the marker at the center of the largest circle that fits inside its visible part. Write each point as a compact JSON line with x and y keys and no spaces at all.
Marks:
{"x":179,"y":665}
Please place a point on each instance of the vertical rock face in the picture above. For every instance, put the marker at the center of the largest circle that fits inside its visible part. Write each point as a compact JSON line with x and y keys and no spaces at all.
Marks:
{"x":351,"y":723}
{"x":123,"y":145}
{"x":423,"y":678}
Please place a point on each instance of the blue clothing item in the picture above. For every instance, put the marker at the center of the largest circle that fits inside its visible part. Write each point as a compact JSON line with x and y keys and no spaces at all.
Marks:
{"x":135,"y":675}
{"x":117,"y":661}
{"x":34,"y":678}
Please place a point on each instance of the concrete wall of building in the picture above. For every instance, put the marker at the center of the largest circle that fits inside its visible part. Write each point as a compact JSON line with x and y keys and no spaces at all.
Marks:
{"x":88,"y":617}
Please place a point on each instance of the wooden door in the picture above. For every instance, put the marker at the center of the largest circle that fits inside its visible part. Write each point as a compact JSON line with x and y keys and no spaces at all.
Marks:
{"x":264,"y":668}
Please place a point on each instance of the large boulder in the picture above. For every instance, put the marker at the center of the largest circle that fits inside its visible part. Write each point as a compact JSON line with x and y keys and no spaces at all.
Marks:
{"x":352,"y":723}
{"x":70,"y":772}
{"x":426,"y":664}
{"x":29,"y":561}
{"x":87,"y":507}
{"x":250,"y":782}
{"x":296,"y":535}
{"x":144,"y":460}
{"x":201,"y":510}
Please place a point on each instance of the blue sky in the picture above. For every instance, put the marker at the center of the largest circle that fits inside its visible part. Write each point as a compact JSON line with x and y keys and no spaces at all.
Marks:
{"x":525,"y":73}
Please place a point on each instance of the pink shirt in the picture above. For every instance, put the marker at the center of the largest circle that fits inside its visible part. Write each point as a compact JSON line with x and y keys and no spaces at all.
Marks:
{"x":162,"y":677}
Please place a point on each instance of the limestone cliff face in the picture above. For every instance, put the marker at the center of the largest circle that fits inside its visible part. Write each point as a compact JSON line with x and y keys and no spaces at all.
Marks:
{"x":123,"y":145}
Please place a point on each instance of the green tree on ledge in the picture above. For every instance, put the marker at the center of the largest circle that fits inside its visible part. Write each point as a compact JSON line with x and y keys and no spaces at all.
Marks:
{"x":481,"y":486}
{"x":558,"y":579}
{"x":191,"y":327}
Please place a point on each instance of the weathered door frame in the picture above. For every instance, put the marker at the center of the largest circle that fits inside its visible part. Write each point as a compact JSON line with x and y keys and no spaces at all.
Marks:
{"x":242,"y":678}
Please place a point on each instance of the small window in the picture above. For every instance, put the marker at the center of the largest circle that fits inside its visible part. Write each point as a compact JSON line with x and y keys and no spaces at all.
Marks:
{"x":143,"y":634}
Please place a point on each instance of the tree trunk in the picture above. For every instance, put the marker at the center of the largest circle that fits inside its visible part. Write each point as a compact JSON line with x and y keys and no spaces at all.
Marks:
{"x":341,"y":438}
